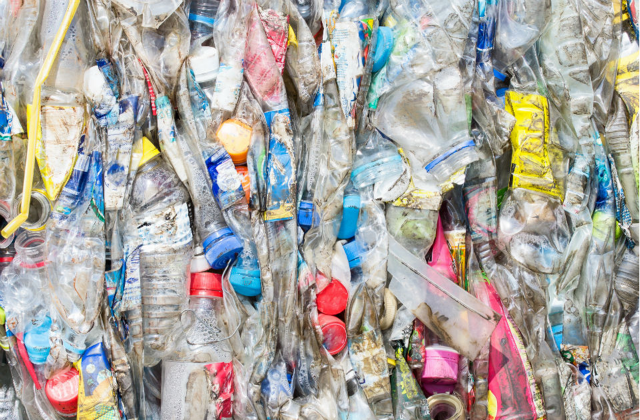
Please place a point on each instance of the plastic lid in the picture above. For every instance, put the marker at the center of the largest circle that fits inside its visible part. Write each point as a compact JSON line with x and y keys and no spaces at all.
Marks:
{"x":354,"y":252}
{"x":350,"y":214}
{"x":245,"y":282}
{"x":220,"y":247}
{"x":204,"y":62}
{"x":305,"y":214}
{"x":235,"y":136}
{"x":206,"y":284}
{"x":334,"y":333}
{"x":245,"y":179}
{"x":332,"y":299}
{"x":384,"y":47}
{"x":149,"y":151}
{"x":62,"y":391}
{"x":199,"y":262}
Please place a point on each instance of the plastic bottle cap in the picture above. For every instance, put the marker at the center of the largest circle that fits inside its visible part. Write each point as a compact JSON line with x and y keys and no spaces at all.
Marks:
{"x":235,"y":136}
{"x":204,"y":62}
{"x":384,"y":47}
{"x":305,"y":214}
{"x":149,"y":151}
{"x":199,"y":262}
{"x":354,"y":252}
{"x":334,"y":333}
{"x":332,"y":299}
{"x":206,"y":284}
{"x":220,"y":247}
{"x":350,"y":214}
{"x":62,"y":391}
{"x":245,"y":179}
{"x":245,"y":282}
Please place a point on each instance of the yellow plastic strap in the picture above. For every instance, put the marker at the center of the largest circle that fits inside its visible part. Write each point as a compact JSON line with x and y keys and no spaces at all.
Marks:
{"x":34,"y":118}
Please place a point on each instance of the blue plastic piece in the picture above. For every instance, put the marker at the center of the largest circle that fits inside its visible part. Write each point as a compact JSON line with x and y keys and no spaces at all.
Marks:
{"x":220,"y":247}
{"x":350,"y":214}
{"x":384,"y":47}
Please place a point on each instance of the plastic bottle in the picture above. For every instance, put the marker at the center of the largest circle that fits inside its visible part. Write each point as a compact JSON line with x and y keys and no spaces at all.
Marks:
{"x":377,"y":158}
{"x":158,"y":196}
{"x":201,"y":19}
{"x":218,"y":242}
{"x":184,"y":387}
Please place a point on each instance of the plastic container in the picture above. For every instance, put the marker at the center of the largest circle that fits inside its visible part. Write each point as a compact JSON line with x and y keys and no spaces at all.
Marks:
{"x":334,"y":333}
{"x":235,"y":136}
{"x":332,"y":300}
{"x":62,"y":391}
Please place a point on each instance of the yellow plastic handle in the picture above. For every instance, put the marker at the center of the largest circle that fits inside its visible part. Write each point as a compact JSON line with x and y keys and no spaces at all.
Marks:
{"x":34,"y":119}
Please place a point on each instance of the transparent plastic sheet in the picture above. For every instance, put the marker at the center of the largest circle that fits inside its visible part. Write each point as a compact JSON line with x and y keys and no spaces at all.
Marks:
{"x":467,"y":333}
{"x":519,"y":25}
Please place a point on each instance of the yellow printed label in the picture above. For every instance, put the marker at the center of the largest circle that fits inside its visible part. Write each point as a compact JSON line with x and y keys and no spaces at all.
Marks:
{"x":292,"y":37}
{"x":415,"y":198}
{"x":627,"y":84}
{"x":530,"y":164}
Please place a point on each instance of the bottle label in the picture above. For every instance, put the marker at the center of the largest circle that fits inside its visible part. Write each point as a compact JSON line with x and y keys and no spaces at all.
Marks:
{"x":167,"y":136}
{"x":281,"y":181}
{"x":225,"y":180}
{"x":227,"y":88}
{"x":531,"y":162}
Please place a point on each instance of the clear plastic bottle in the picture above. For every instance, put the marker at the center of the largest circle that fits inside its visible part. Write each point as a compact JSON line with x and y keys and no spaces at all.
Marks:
{"x":376,"y":159}
{"x":159,"y":202}
{"x":204,"y":343}
{"x":201,"y":18}
{"x":219,"y":243}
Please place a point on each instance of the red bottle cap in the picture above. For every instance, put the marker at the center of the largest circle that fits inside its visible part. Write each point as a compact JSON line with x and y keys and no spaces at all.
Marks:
{"x":332,"y":299}
{"x":206,"y":284}
{"x":334,"y":333}
{"x":62,"y":391}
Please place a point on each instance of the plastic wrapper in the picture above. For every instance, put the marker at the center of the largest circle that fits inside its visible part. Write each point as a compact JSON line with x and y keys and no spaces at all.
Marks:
{"x":465,"y":333}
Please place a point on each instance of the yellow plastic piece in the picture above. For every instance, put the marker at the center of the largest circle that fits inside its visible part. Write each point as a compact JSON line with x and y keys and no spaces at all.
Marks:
{"x":34,"y":117}
{"x":149,"y":151}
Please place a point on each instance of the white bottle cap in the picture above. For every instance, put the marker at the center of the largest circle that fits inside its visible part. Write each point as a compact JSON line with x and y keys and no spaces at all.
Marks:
{"x":199,"y":262}
{"x":204,"y":63}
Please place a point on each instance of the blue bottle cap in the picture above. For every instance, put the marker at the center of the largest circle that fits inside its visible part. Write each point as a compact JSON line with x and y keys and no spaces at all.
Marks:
{"x":354,"y":251}
{"x":350,"y":214}
{"x":499,"y":75}
{"x":305,"y":214}
{"x":384,"y":47}
{"x":245,"y":282}
{"x":220,"y":247}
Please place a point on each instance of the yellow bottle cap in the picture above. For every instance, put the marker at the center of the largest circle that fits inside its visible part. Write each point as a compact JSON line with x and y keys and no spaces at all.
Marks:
{"x":149,"y":151}
{"x":235,"y":136}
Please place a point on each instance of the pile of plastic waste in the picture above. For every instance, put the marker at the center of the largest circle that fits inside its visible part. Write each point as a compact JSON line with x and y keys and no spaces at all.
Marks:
{"x":322,"y":210}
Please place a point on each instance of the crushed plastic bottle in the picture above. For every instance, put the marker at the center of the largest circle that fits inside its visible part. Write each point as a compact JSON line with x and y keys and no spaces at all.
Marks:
{"x":319,"y":209}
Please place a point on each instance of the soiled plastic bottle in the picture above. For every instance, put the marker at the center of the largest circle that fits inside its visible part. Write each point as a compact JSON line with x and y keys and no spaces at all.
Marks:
{"x":159,"y":202}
